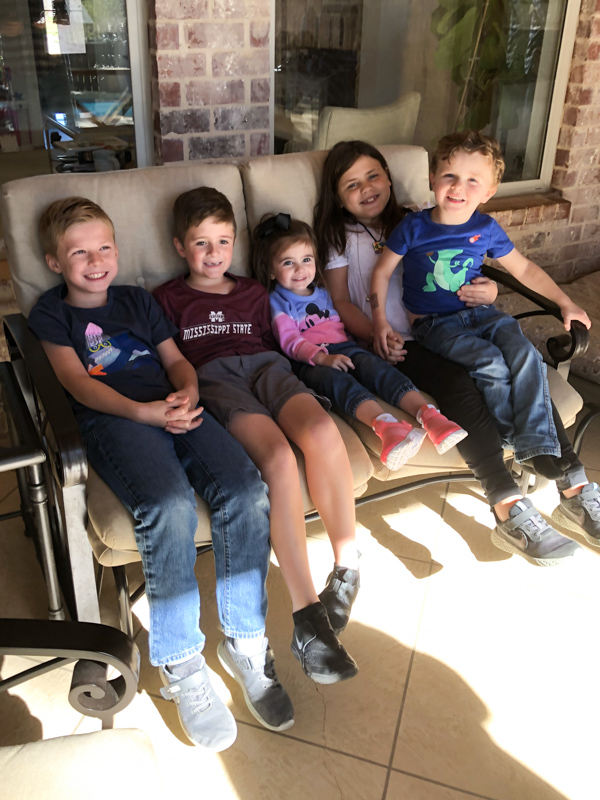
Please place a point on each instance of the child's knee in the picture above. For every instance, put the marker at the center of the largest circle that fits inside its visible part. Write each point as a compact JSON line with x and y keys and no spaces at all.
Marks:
{"x":280,"y":461}
{"x":322,"y":431}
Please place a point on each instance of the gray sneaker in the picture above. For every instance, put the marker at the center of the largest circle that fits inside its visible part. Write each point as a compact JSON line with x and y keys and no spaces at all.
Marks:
{"x":265,"y":697}
{"x":581,"y":513}
{"x":204,"y":717}
{"x":527,"y":534}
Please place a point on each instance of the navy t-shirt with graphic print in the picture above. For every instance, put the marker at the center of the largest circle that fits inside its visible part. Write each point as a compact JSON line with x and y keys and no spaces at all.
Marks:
{"x":439,"y":259}
{"x":116,"y":343}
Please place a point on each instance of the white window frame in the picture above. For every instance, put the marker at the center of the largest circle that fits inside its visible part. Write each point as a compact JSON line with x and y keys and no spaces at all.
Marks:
{"x":563,"y":70}
{"x":139,"y":59}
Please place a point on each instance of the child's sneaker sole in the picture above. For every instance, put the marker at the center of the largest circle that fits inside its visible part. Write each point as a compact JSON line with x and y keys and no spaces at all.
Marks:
{"x":405,"y":450}
{"x":325,"y":679}
{"x":451,"y":441}
{"x":500,"y":542}
{"x":559,"y":516}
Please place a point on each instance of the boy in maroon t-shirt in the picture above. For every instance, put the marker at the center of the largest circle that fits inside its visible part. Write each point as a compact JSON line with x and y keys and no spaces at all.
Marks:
{"x":224,"y":326}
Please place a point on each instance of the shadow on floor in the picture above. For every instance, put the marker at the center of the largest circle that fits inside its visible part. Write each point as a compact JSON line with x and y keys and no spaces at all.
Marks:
{"x":23,"y":727}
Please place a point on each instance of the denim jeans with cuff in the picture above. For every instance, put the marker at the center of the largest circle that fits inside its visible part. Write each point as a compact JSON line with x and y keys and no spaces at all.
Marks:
{"x":507,"y":369}
{"x":154,"y":474}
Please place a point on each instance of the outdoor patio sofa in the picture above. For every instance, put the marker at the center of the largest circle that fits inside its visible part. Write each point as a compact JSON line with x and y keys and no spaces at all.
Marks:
{"x":85,"y":512}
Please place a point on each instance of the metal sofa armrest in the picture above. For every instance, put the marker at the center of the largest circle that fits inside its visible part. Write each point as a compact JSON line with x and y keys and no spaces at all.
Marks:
{"x":561,"y":348}
{"x":66,"y":470}
{"x":93,"y":647}
{"x":55,"y":419}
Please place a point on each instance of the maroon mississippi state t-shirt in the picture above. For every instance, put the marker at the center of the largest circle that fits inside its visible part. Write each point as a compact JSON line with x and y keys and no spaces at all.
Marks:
{"x":218,"y":325}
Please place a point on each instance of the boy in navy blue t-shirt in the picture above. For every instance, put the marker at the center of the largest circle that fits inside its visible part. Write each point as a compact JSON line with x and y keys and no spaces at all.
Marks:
{"x":443,"y":248}
{"x":136,"y":401}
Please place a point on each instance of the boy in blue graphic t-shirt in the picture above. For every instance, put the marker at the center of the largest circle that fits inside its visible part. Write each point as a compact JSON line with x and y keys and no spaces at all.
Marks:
{"x":442,"y":249}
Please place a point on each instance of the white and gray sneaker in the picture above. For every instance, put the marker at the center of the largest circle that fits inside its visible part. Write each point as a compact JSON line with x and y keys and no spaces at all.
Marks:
{"x":204,"y":717}
{"x":581,"y":513}
{"x":265,"y":697}
{"x":526,"y":533}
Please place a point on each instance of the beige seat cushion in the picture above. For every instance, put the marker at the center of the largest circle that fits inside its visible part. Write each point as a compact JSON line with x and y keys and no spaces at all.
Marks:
{"x":586,"y":293}
{"x":427,"y":462}
{"x":116,"y":764}
{"x":110,"y":525}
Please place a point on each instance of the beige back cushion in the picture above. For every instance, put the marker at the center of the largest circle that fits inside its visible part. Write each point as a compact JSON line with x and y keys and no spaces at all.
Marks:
{"x":140,"y":204}
{"x":290,"y":183}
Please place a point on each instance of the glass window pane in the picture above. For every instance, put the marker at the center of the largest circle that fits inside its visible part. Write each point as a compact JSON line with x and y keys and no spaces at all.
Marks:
{"x":65,"y":87}
{"x":486,"y":64}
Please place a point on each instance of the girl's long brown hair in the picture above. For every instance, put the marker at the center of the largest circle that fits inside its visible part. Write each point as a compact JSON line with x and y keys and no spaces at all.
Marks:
{"x":331,"y":217}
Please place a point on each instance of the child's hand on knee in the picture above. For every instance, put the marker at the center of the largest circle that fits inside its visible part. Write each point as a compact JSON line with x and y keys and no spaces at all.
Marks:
{"x":336,"y":361}
{"x":188,"y":422}
{"x":182,"y":414}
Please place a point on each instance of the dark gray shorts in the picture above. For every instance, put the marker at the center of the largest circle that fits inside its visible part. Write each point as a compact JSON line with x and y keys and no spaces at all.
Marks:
{"x":258,"y":384}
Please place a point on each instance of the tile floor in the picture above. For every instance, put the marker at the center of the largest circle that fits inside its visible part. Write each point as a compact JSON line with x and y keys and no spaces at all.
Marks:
{"x":477,"y":671}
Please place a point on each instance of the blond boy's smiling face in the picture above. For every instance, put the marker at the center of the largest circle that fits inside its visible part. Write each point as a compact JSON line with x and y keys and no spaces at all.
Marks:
{"x":87,"y":258}
{"x":460,"y":185}
{"x":208,"y":250}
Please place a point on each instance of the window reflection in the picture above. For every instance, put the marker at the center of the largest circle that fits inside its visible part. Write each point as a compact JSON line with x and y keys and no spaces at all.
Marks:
{"x":65,"y":87}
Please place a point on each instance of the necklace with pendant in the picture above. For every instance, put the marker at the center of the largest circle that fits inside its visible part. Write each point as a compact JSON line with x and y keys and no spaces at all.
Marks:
{"x":378,"y":244}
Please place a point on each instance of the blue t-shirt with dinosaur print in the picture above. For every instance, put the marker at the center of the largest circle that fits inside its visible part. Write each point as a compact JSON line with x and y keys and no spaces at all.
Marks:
{"x":439,"y":259}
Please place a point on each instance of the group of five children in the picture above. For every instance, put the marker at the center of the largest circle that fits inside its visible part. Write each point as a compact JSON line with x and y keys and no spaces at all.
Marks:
{"x":330,"y":319}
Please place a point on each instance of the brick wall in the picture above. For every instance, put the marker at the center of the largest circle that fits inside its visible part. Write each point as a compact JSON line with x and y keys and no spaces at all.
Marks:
{"x":211,"y":78}
{"x":577,"y":166}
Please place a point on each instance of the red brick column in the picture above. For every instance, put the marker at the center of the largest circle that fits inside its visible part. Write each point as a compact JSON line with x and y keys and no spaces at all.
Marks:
{"x":577,"y":165}
{"x":211,"y":81}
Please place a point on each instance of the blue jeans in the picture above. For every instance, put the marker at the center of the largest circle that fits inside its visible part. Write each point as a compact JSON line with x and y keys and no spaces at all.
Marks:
{"x":347,"y":390}
{"x":154,"y":474}
{"x":507,"y":369}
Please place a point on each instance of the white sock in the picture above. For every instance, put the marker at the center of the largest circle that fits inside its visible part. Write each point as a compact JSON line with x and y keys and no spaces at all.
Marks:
{"x":249,"y":647}
{"x":386,"y":418}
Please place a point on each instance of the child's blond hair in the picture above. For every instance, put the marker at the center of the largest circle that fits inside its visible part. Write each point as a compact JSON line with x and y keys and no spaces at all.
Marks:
{"x":60,"y":215}
{"x":469,"y":142}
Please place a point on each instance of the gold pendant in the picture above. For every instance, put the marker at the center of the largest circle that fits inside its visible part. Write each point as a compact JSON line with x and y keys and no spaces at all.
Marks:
{"x":378,"y":247}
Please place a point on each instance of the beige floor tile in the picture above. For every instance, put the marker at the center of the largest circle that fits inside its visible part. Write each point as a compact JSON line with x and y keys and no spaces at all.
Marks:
{"x":22,"y":587}
{"x":8,"y":485}
{"x":405,"y":787}
{"x":37,"y":709}
{"x":260,"y":766}
{"x":499,"y":685}
{"x":407,"y":525}
{"x":379,"y":637}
